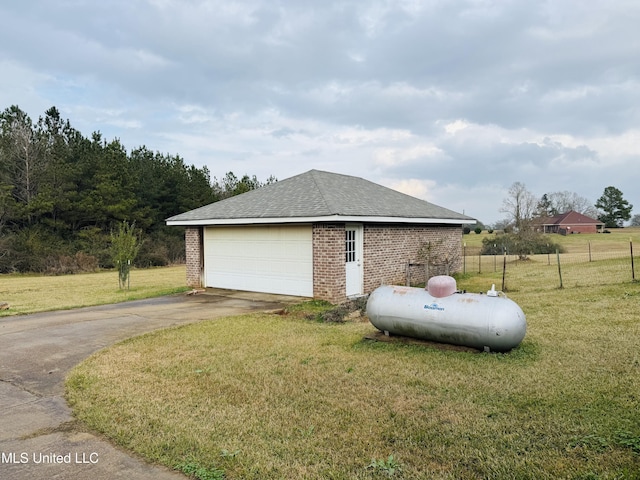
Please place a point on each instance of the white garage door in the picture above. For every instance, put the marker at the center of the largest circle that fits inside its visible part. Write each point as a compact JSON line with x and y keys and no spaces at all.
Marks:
{"x":272,"y":259}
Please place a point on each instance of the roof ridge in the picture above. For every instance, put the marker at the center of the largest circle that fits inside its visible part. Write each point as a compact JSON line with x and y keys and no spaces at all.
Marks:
{"x":313,"y":173}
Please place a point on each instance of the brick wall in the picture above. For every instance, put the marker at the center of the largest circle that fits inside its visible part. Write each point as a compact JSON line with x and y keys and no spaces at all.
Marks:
{"x":194,"y":255}
{"x":387,"y":248}
{"x":579,"y":229}
{"x":329,"y":278}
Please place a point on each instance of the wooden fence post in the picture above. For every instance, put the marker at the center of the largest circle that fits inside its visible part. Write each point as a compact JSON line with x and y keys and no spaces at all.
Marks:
{"x":559,"y":269}
{"x":464,"y":258}
{"x":633,"y":270}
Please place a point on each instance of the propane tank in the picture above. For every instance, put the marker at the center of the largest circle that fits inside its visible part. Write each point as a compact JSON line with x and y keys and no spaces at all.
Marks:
{"x":489,"y":322}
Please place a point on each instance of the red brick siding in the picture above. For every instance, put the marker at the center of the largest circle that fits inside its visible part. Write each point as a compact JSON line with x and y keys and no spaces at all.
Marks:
{"x":194,"y":255}
{"x":579,"y":229}
{"x":329,"y":278}
{"x":387,"y":248}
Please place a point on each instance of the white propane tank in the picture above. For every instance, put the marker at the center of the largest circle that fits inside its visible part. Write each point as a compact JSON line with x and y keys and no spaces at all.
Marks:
{"x":486,"y":322}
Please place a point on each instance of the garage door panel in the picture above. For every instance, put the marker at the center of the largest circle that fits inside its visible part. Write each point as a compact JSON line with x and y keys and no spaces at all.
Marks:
{"x":273,"y":259}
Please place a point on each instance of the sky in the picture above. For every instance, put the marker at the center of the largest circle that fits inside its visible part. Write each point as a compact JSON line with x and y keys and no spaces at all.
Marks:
{"x":449,"y":101}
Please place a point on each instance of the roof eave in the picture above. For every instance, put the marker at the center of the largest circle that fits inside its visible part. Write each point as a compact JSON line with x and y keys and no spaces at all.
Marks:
{"x":326,"y":218}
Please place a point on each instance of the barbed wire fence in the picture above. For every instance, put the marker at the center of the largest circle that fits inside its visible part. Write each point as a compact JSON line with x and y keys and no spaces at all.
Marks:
{"x":596,"y":265}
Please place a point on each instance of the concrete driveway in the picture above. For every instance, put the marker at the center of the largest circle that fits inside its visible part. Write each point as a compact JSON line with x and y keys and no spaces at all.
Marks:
{"x":38,"y":437}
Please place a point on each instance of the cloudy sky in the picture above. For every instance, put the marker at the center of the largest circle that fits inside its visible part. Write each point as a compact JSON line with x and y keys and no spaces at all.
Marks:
{"x":449,"y":101}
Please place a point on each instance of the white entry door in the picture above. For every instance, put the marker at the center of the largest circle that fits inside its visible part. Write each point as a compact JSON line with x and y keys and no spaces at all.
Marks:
{"x":353,"y":259}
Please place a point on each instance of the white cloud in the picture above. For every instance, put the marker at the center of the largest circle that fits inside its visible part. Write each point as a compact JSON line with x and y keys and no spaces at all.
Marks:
{"x":392,"y":157}
{"x":451,"y":100}
{"x":415,"y":187}
{"x":455,"y":126}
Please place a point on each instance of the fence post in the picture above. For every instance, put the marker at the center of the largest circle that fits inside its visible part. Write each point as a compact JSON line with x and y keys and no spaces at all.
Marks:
{"x":495,"y":265}
{"x":504,"y":271}
{"x":559,"y":269}
{"x":464,"y":258}
{"x":633,"y":270}
{"x":548,"y":255}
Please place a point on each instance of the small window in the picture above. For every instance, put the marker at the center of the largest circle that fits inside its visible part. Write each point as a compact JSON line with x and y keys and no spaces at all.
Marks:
{"x":350,"y":246}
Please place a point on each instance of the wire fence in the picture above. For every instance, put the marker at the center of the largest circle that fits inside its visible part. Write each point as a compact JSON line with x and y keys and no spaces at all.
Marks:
{"x":596,"y":265}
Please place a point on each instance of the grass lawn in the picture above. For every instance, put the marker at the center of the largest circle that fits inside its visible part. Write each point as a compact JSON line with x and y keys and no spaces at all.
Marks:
{"x":270,"y":396}
{"x":588,"y":259}
{"x":617,"y":240}
{"x":36,"y":293}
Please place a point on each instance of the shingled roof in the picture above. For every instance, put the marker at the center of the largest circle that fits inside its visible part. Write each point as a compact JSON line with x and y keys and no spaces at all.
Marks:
{"x":572,"y":218}
{"x":320,"y":196}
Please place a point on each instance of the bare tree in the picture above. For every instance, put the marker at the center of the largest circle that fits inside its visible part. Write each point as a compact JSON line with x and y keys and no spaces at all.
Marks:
{"x":520,"y":206}
{"x":564,"y":202}
{"x":6,"y":204}
{"x":22,"y":155}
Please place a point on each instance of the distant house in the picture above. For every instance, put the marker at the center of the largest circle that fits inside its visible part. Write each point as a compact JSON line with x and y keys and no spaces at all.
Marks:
{"x":317,"y":234}
{"x":568,"y":223}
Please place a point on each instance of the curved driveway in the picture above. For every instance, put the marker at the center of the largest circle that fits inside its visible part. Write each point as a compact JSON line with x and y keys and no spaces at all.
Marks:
{"x":38,"y":438}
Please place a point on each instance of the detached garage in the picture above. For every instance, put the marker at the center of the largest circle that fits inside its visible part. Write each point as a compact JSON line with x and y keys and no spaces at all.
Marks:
{"x":317,"y":234}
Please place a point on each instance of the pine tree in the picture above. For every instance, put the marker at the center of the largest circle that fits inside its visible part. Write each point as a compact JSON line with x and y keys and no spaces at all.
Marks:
{"x":614,"y":208}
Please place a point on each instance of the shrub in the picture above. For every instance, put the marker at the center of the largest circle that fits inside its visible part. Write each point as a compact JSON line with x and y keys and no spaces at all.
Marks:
{"x":522,"y":244}
{"x":70,"y":264}
{"x":152,"y":254}
{"x":94,"y":242}
{"x":478,"y":230}
{"x":31,"y":248}
{"x":125,"y":245}
{"x":466,"y":230}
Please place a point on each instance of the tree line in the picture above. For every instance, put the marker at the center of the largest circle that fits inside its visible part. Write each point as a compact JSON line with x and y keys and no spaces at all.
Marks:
{"x":523,"y":209}
{"x":63,"y":194}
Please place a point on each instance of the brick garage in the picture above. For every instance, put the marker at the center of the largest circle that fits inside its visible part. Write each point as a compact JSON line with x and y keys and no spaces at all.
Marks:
{"x":320,"y":235}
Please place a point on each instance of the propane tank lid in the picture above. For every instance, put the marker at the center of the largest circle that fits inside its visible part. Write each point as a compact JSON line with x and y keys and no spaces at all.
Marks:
{"x":492,"y":292}
{"x":441,"y":286}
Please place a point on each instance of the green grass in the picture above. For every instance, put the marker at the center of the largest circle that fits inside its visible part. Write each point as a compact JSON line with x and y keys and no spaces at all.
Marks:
{"x":280,"y":396}
{"x":588,"y":259}
{"x":37,"y":293}
{"x":616,"y":241}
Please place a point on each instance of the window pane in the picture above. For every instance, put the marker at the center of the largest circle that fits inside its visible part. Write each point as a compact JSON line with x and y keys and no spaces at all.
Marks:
{"x":350,"y":245}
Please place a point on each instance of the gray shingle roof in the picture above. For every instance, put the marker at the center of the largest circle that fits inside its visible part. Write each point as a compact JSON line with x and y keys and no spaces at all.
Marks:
{"x":318,"y":194}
